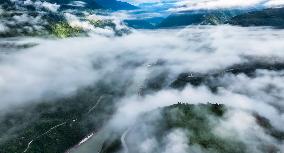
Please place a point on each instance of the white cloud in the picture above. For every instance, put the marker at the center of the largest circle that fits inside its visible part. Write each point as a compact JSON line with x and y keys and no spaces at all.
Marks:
{"x":74,"y":22}
{"x":192,"y":49}
{"x":53,"y":7}
{"x":25,"y":18}
{"x":137,"y":2}
{"x":60,"y":67}
{"x":77,"y":3}
{"x":214,"y":4}
{"x":1,"y":10}
{"x":186,"y":5}
{"x":239,"y":122}
{"x":177,"y":142}
{"x":274,"y":3}
{"x":243,"y":126}
{"x":32,"y":74}
{"x":49,"y":6}
{"x":3,"y":28}
{"x":148,"y":145}
{"x":28,"y":2}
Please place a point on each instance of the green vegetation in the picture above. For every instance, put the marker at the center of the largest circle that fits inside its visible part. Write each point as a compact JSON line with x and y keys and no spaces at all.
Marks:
{"x":47,"y":23}
{"x":56,"y":125}
{"x":199,"y":121}
{"x":209,"y":17}
{"x":267,"y":17}
{"x":209,"y":80}
{"x":102,"y":23}
{"x":63,"y":30}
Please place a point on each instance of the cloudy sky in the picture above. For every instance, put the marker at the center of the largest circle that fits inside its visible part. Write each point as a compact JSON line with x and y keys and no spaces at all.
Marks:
{"x":184,"y":5}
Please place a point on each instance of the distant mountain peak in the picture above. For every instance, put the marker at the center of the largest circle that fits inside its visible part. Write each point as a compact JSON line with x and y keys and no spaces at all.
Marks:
{"x":116,"y":5}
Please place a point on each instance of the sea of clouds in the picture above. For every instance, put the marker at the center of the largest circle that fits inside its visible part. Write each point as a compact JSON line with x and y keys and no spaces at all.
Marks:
{"x":56,"y":68}
{"x":194,"y":49}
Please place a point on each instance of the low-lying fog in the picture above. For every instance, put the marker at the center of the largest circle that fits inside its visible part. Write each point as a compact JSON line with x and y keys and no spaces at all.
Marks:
{"x":57,"y":68}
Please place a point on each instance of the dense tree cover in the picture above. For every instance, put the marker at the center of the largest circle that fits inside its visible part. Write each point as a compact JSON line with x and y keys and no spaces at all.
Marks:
{"x":268,"y":17}
{"x":204,"y":17}
{"x":31,"y":19}
{"x":198,"y":121}
{"x":195,"y":119}
{"x":56,"y":125}
{"x":209,"y":79}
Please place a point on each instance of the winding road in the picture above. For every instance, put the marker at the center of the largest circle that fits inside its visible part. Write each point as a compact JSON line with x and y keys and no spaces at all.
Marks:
{"x":123,"y":141}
